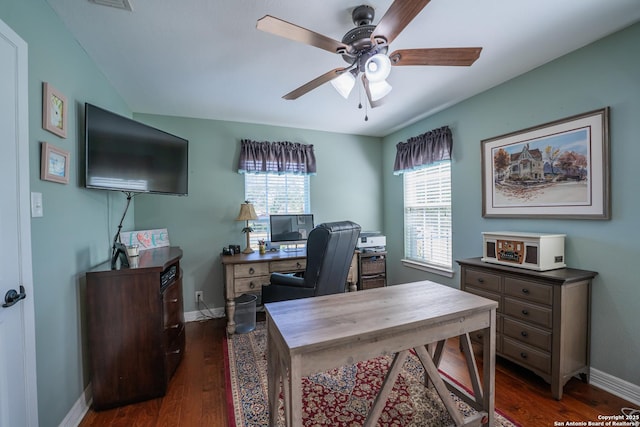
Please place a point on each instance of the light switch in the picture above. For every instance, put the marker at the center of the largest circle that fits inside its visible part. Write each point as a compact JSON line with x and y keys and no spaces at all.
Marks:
{"x":36,"y":205}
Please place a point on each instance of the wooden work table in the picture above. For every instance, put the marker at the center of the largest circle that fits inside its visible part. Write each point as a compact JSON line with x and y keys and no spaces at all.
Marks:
{"x":317,"y":334}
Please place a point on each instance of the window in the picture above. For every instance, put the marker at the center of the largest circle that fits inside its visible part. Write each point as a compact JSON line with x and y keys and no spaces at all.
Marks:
{"x":275,"y":194}
{"x":427,"y":216}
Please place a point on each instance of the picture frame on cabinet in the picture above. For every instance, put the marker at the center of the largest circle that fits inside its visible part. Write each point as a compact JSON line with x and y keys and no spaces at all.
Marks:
{"x":54,"y":110}
{"x":54,"y":164}
{"x":556,"y":170}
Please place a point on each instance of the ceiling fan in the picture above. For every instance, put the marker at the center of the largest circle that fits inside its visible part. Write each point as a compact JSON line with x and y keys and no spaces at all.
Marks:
{"x":365,"y":49}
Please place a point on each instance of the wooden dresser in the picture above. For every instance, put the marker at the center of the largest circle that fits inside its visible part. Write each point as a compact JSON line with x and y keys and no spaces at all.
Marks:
{"x":246,"y":273}
{"x":543,"y":318}
{"x":135,"y":325}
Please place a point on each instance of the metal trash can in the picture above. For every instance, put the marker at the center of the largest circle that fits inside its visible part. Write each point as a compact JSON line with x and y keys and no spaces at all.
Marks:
{"x":245,"y":316}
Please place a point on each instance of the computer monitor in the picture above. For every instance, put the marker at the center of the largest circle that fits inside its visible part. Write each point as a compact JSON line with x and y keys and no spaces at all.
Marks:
{"x":290,"y":229}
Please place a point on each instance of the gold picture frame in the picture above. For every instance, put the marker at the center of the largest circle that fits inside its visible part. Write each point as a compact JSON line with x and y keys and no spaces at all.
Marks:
{"x":54,"y":164}
{"x":54,"y":111}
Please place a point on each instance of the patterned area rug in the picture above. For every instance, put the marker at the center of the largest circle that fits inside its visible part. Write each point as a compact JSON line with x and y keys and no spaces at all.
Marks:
{"x":340,"y":397}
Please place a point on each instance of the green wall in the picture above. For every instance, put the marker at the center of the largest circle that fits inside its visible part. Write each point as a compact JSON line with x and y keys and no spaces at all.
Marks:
{"x":606,"y":73}
{"x":346,"y":187}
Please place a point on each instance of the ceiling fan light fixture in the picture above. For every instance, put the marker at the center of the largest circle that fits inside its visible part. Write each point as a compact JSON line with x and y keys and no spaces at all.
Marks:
{"x":379,"y":90}
{"x":377,"y":68}
{"x":344,"y":84}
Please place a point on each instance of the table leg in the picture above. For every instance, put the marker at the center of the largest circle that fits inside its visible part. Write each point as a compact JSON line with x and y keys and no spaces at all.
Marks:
{"x":387,"y":386}
{"x":293,"y":410}
{"x":472,"y":367}
{"x":274,"y":376}
{"x":231,"y":312}
{"x":489,"y":370}
{"x":441,"y":388}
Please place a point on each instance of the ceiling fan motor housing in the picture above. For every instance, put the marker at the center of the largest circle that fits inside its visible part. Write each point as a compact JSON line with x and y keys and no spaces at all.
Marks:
{"x":359,"y":38}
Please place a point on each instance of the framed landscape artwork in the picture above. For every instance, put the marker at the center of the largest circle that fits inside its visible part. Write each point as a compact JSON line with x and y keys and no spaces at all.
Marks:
{"x":555,"y":170}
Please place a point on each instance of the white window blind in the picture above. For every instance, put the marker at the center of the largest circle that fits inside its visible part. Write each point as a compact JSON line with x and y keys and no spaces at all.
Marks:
{"x":275,"y":194}
{"x":427,"y":215}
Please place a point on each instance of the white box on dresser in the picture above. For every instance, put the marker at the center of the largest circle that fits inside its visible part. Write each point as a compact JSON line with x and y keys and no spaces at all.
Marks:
{"x":534,"y":251}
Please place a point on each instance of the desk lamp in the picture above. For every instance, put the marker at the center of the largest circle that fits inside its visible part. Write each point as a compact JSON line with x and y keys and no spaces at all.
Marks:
{"x":247,"y":213}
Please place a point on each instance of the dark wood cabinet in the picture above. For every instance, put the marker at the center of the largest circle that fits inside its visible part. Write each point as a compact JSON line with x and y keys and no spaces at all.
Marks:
{"x":543,"y":317}
{"x":372,"y":270}
{"x":135,"y":328}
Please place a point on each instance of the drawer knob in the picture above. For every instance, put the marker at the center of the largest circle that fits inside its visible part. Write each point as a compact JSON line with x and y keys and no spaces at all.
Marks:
{"x":525,"y":291}
{"x":524,"y":334}
{"x":480,"y":280}
{"x":251,"y":270}
{"x":252,"y":285}
{"x":523,"y":355}
{"x":298,"y":265}
{"x":525,"y":312}
{"x":175,"y":300}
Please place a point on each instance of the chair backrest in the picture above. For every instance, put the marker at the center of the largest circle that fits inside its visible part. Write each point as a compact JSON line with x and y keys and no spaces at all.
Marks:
{"x":330,"y":248}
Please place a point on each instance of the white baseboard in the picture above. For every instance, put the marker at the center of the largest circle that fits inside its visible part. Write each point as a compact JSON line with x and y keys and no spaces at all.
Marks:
{"x":615,"y":385}
{"x":196,"y":316}
{"x":79,"y":409}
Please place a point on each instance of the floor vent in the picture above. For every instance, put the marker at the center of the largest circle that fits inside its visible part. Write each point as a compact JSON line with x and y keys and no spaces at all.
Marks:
{"x":119,"y":4}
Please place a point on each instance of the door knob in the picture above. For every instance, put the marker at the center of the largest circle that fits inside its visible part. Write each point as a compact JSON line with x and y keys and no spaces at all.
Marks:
{"x":12,"y":297}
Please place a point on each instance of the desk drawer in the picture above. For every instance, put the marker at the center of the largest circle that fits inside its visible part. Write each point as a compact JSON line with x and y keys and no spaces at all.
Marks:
{"x":527,"y":334}
{"x":288,"y":265}
{"x":250,"y":284}
{"x":480,"y":279}
{"x":527,"y":290}
{"x":251,"y":270}
{"x":528,"y":312}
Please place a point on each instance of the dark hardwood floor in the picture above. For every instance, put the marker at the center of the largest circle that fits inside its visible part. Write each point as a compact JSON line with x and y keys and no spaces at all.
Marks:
{"x":196,"y":395}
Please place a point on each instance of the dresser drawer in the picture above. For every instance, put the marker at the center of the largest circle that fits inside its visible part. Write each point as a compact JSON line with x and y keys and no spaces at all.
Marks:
{"x":490,"y":295}
{"x":527,"y":355}
{"x":530,"y":291}
{"x":288,"y":265}
{"x":251,"y":270}
{"x":251,"y":284}
{"x":171,"y":306}
{"x":528,"y":312}
{"x":527,"y":334}
{"x":480,"y":279}
{"x":478,"y":336}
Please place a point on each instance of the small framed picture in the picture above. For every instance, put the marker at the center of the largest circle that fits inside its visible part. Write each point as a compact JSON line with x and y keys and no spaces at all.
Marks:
{"x":54,"y":164}
{"x":54,"y":111}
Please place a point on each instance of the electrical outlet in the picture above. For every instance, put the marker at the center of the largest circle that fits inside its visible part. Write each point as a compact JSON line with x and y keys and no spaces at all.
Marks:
{"x":199,"y":296}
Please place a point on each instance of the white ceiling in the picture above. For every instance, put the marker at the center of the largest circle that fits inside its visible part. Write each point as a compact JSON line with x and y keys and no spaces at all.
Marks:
{"x":206,"y":59}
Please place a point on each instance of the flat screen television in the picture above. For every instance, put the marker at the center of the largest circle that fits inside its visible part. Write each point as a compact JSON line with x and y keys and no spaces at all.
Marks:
{"x":125,"y":155}
{"x":290,"y":229}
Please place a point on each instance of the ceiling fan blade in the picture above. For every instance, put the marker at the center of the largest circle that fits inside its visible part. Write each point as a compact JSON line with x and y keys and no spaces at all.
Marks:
{"x":398,"y":16}
{"x":318,"y":81}
{"x":461,"y":56}
{"x":367,"y":89}
{"x":296,"y":33}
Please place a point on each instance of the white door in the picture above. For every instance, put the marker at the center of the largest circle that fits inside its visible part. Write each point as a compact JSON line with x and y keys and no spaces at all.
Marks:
{"x":18,"y":397}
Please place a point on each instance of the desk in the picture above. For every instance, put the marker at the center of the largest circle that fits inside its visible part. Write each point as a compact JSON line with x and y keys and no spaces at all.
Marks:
{"x":338,"y":329}
{"x":246,"y":273}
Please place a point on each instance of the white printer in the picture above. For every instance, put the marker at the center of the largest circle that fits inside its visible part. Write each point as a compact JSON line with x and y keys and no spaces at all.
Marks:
{"x":371,"y":241}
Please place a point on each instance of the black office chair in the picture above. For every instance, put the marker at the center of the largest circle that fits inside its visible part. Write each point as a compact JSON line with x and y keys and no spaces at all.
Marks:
{"x":330,"y":248}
